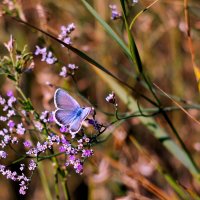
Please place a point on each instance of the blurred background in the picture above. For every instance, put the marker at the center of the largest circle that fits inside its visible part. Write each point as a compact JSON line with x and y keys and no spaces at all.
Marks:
{"x":131,"y":163}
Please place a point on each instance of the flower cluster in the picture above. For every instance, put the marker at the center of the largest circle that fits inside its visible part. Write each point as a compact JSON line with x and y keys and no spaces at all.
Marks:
{"x":8,"y":134}
{"x":76,"y":151}
{"x":115,"y":13}
{"x":69,"y":70}
{"x":65,"y":32}
{"x":18,"y":119}
{"x":47,"y":56}
{"x":17,"y":62}
{"x":21,"y":178}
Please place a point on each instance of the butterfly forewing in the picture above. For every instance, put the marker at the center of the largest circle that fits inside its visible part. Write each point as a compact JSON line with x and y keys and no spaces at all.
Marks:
{"x":64,"y":101}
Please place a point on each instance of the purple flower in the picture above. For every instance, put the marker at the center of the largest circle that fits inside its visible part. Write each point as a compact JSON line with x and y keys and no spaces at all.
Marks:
{"x":38,"y":125}
{"x":27,"y":143}
{"x":42,"y":51}
{"x":65,"y":32}
{"x":67,"y":40}
{"x":63,"y":73}
{"x":63,"y":129}
{"x":14,"y":140}
{"x":2,"y":118}
{"x":23,"y":188}
{"x":11,"y":124}
{"x":72,"y":158}
{"x":46,"y":56}
{"x":115,"y":13}
{"x":44,"y":116}
{"x":64,"y":140}
{"x":20,"y":129}
{"x":7,"y":139}
{"x":3,"y":154}
{"x":22,"y":166}
{"x":87,"y":152}
{"x":50,"y":119}
{"x":2,"y":101}
{"x":10,"y":113}
{"x":10,"y":43}
{"x":78,"y":166}
{"x":11,"y":100}
{"x":71,"y":27}
{"x":32,"y":165}
{"x":111,"y":98}
{"x":72,"y":66}
{"x":50,"y":59}
{"x":10,"y":93}
{"x":62,"y":148}
{"x":87,"y":140}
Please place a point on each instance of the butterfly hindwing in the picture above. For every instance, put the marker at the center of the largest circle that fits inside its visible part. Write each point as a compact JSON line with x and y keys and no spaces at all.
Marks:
{"x":63,"y":117}
{"x":76,"y":124}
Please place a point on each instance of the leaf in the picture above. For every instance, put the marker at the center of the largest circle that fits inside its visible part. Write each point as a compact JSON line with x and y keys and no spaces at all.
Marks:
{"x":133,"y":48}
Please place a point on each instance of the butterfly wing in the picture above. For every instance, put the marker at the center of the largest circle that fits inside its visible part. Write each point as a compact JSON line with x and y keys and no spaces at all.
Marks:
{"x":63,"y":117}
{"x":76,"y":124}
{"x":63,"y":100}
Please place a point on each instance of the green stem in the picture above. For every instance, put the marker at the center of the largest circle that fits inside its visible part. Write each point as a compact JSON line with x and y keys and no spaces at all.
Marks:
{"x":56,"y":185}
{"x":21,"y":93}
{"x":65,"y":189}
{"x":44,"y":182}
{"x":180,"y":141}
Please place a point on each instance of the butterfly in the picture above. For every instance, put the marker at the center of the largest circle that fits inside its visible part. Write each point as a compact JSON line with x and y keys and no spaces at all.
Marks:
{"x":68,"y":112}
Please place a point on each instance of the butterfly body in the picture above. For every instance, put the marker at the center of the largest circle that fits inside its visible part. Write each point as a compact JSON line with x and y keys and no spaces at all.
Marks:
{"x":68,"y":112}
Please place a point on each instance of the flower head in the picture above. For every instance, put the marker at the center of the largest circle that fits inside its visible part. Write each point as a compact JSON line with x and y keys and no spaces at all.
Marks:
{"x":9,"y":44}
{"x":115,"y":13}
{"x":111,"y":98}
{"x":65,"y":32}
{"x":47,"y":56}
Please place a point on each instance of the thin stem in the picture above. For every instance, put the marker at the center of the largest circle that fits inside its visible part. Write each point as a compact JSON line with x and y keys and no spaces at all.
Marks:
{"x":180,"y":140}
{"x":44,"y":182}
{"x":142,"y":11}
{"x":65,"y":189}
{"x":56,"y":185}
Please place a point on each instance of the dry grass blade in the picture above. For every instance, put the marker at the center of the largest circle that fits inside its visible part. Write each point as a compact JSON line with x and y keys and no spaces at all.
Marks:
{"x":190,"y":44}
{"x":185,"y":111}
{"x":142,"y":11}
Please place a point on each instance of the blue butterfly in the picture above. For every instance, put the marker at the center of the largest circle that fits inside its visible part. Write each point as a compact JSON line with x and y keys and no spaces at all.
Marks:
{"x":68,"y":112}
